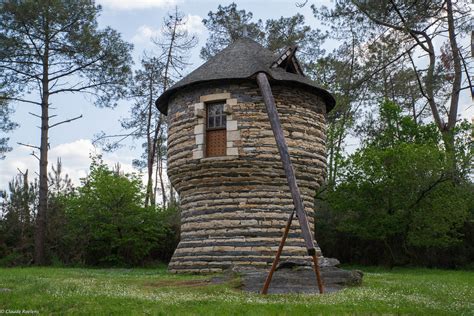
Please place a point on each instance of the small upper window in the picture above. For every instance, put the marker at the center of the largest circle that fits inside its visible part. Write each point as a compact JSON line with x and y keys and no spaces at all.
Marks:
{"x":216,"y":118}
{"x":216,"y":137}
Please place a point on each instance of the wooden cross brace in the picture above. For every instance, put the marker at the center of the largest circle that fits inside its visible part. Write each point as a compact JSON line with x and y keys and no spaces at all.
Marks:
{"x":272,"y":112}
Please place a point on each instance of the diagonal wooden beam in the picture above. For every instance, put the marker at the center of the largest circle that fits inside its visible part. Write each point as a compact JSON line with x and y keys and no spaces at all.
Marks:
{"x":285,"y":159}
{"x":272,"y":112}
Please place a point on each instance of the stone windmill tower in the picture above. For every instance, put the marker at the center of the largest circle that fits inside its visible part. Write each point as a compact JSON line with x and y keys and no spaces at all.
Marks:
{"x":224,"y":162}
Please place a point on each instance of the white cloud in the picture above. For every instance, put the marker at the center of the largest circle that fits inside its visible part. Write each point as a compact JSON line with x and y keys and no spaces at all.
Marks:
{"x":136,"y":4}
{"x":194,"y":24}
{"x":144,"y":34}
{"x":75,"y":157}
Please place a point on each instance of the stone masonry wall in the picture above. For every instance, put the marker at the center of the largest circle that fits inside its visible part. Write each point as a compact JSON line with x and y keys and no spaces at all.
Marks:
{"x":235,"y":207}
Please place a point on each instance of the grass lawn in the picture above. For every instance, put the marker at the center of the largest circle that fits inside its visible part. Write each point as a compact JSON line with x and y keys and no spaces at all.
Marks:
{"x":155,"y":292}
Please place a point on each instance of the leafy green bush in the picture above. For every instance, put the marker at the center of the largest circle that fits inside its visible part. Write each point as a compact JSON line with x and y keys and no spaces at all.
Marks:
{"x":108,"y":222}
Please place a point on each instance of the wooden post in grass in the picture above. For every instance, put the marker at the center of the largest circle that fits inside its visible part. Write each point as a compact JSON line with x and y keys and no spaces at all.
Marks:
{"x":272,"y":112}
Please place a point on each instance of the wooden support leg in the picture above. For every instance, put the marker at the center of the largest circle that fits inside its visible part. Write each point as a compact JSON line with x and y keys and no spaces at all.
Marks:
{"x":278,"y":254}
{"x":318,"y":274}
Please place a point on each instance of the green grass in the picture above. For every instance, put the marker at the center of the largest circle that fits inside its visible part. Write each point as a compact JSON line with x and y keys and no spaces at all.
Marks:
{"x":155,"y":292}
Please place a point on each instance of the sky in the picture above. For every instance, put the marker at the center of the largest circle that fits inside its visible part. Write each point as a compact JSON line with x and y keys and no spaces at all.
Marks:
{"x":137,"y":21}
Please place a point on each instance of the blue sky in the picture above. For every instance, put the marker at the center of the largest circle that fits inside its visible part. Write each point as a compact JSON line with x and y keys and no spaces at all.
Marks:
{"x":136,"y":20}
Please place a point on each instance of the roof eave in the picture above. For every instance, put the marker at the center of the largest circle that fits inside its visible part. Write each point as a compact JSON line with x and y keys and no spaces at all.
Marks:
{"x":162,"y":102}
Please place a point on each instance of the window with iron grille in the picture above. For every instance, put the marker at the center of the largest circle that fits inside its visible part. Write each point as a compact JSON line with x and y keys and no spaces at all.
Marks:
{"x":215,"y":130}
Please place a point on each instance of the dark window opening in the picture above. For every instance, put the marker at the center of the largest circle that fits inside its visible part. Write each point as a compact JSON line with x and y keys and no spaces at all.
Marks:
{"x":216,"y":135}
{"x":289,"y":65}
{"x":288,"y":62}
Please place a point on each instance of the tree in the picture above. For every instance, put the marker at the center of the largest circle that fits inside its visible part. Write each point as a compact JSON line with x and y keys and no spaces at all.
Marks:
{"x":292,"y":31}
{"x":145,"y":120}
{"x":226,"y":25}
{"x":6,"y":125}
{"x":340,"y":73}
{"x":396,"y":193}
{"x":366,"y":69}
{"x":17,"y":214}
{"x":175,"y":45}
{"x":157,"y":74}
{"x":107,"y":222}
{"x":418,"y":26}
{"x":52,"y":47}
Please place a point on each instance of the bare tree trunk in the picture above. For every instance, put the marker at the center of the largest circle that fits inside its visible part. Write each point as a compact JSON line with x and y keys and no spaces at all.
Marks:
{"x":24,"y":211}
{"x":340,"y":130}
{"x":150,"y":149}
{"x":331,"y":157}
{"x":149,"y":163}
{"x":170,"y":53}
{"x":448,"y":135}
{"x":159,"y":176}
{"x":162,"y":184}
{"x":40,"y":229}
{"x":156,"y":150}
{"x":153,"y":157}
{"x":43,"y":170}
{"x":166,"y":82}
{"x":159,"y":164}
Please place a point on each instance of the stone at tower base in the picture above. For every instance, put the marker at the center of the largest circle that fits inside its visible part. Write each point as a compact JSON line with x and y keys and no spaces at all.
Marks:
{"x":290,"y":278}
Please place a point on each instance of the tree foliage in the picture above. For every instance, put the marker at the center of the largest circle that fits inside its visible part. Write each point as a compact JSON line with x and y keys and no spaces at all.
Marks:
{"x":50,"y":47}
{"x":396,"y":191}
{"x":6,"y":126}
{"x":228,"y":24}
{"x":107,"y":219}
{"x":17,"y":214}
{"x":100,"y":223}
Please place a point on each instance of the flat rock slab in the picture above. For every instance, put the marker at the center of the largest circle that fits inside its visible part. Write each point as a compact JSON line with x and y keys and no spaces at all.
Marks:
{"x":300,"y":280}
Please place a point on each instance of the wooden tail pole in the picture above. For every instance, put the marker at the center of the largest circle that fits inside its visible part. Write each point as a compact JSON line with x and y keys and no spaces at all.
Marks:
{"x":272,"y":112}
{"x":278,"y":254}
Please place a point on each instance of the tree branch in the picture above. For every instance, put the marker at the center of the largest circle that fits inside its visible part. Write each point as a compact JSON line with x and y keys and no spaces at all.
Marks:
{"x":19,"y":100}
{"x":34,"y":155}
{"x":466,"y":71}
{"x":30,"y":76}
{"x":410,"y":31}
{"x":441,"y":179}
{"x":376,"y":71}
{"x":393,"y":26}
{"x":27,"y":145}
{"x":66,"y":121}
{"x":79,"y":89}
{"x":31,"y":40}
{"x":70,"y":72}
{"x":418,"y":79}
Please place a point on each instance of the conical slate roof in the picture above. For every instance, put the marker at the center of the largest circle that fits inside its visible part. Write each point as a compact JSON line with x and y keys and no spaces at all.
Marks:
{"x":242,"y":59}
